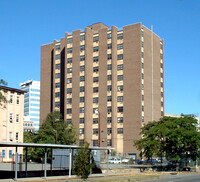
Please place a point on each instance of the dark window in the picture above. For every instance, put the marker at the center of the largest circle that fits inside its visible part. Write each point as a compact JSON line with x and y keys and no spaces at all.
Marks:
{"x":109,"y":46}
{"x":142,"y":75}
{"x":119,"y":77}
{"x":109,"y":120}
{"x":69,"y":40}
{"x":95,"y":39}
{"x":57,"y":85}
{"x":161,"y":65}
{"x":82,"y":68}
{"x":161,"y":94}
{"x":120,"y":67}
{"x":119,"y":130}
{"x":109,"y":36}
{"x":81,"y":142}
{"x":142,"y":86}
{"x":81,"y":131}
{"x":57,"y":104}
{"x":142,"y":44}
{"x":120,"y":36}
{"x":161,"y":56}
{"x":58,"y":66}
{"x":109,"y":98}
{"x":69,"y":60}
{"x":69,"y":100}
{"x":109,"y":66}
{"x":69,"y":90}
{"x":120,"y":99}
{"x":96,"y":79}
{"x":69,"y":70}
{"x":162,"y":104}
{"x":162,"y":113}
{"x":109,"y":77}
{"x":109,"y":56}
{"x":95,"y":100}
{"x":82,"y":89}
{"x":96,"y":69}
{"x":161,"y":74}
{"x":161,"y":84}
{"x":82,"y":37}
{"x":119,"y":56}
{"x":142,"y":65}
{"x":95,"y":59}
{"x":109,"y":88}
{"x":57,"y":94}
{"x":82,"y":99}
{"x":109,"y":109}
{"x":95,"y":110}
{"x":69,"y":80}
{"x":109,"y":142}
{"x":142,"y":118}
{"x":82,"y":109}
{"x":120,"y":109}
{"x":57,"y":75}
{"x":95,"y":142}
{"x":69,"y":121}
{"x":95,"y":120}
{"x":82,"y":120}
{"x":109,"y":131}
{"x":120,"y":88}
{"x":142,"y":54}
{"x":57,"y":56}
{"x":142,"y":33}
{"x":69,"y":50}
{"x":69,"y":111}
{"x":82,"y":47}
{"x":82,"y":78}
{"x":161,"y":46}
{"x":57,"y":47}
{"x":95,"y":49}
{"x":82,"y":58}
{"x":142,"y":97}
{"x":96,"y":89}
{"x":119,"y":46}
{"x":95,"y":131}
{"x":142,"y":108}
{"x":120,"y":120}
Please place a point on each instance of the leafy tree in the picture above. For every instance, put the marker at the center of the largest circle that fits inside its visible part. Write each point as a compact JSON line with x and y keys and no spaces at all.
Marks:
{"x":2,"y":97}
{"x":174,"y":138}
{"x":82,"y":162}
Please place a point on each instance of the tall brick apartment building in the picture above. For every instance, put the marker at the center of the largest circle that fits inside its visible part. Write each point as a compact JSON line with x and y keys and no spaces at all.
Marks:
{"x":107,"y":81}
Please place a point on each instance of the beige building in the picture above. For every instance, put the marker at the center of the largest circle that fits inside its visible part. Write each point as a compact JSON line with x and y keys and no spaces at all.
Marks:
{"x":11,"y":121}
{"x":107,"y":81}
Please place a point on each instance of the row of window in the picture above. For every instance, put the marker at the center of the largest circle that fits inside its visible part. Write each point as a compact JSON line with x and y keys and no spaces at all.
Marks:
{"x":95,"y":131}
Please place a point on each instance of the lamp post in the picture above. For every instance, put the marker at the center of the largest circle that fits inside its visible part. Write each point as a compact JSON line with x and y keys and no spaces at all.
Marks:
{"x":99,"y":129}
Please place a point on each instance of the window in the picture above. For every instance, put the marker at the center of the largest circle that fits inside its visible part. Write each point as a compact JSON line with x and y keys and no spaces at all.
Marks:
{"x":95,"y":89}
{"x":81,"y":131}
{"x":82,"y":109}
{"x":109,"y":142}
{"x":109,"y":98}
{"x":95,"y":79}
{"x":57,"y":75}
{"x":95,"y":110}
{"x":82,"y":58}
{"x":120,"y":67}
{"x":17,"y":136}
{"x":161,"y":56}
{"x":161,"y":84}
{"x":161,"y":94}
{"x":69,"y":70}
{"x":120,"y":88}
{"x":81,"y":142}
{"x":95,"y":100}
{"x":82,"y":99}
{"x":10,"y":136}
{"x":109,"y":131}
{"x":95,"y":142}
{"x":109,"y":36}
{"x":95,"y":49}
{"x":69,"y":40}
{"x":82,"y":37}
{"x":120,"y":36}
{"x":57,"y":94}
{"x":109,"y":77}
{"x":10,"y":154}
{"x":82,"y":89}
{"x":11,"y":99}
{"x":161,"y":46}
{"x":17,"y":99}
{"x":161,"y":65}
{"x":82,"y":68}
{"x":109,"y":56}
{"x":109,"y":66}
{"x":142,"y":118}
{"x":57,"y":85}
{"x":82,"y":47}
{"x":109,"y":88}
{"x":11,"y":118}
{"x":120,"y":120}
{"x":82,"y":120}
{"x":120,"y":99}
{"x":119,"y":77}
{"x":162,"y":113}
{"x":119,"y":130}
{"x":109,"y":109}
{"x":142,"y":54}
{"x":142,"y":33}
{"x":161,"y":74}
{"x":95,"y":59}
{"x":109,"y":120}
{"x":69,"y":80}
{"x":57,"y":47}
{"x":69,"y":111}
{"x":69,"y":121}
{"x":58,"y":66}
{"x":96,"y":39}
{"x":142,"y":44}
{"x":120,"y":109}
{"x":109,"y":46}
{"x":119,"y":46}
{"x":17,"y":118}
{"x":82,"y":78}
{"x":142,"y":75}
{"x":57,"y":104}
{"x":4,"y":153}
{"x":69,"y":60}
{"x":142,"y":108}
{"x":95,"y":131}
{"x":69,"y":100}
{"x":57,"y":56}
{"x":96,"y":69}
{"x":142,"y":65}
{"x":142,"y":86}
{"x":69,"y":50}
{"x":162,"y":104}
{"x":69,"y":90}
{"x":142,"y":97}
{"x":95,"y":120}
{"x":119,"y":56}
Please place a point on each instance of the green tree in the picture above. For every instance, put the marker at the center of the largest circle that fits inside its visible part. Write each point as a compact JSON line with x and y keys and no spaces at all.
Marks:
{"x":83,"y":162}
{"x":2,"y":97}
{"x":174,"y":138}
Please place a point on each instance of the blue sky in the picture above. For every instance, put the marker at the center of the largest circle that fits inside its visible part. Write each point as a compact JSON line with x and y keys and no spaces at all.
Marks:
{"x":25,"y":25}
